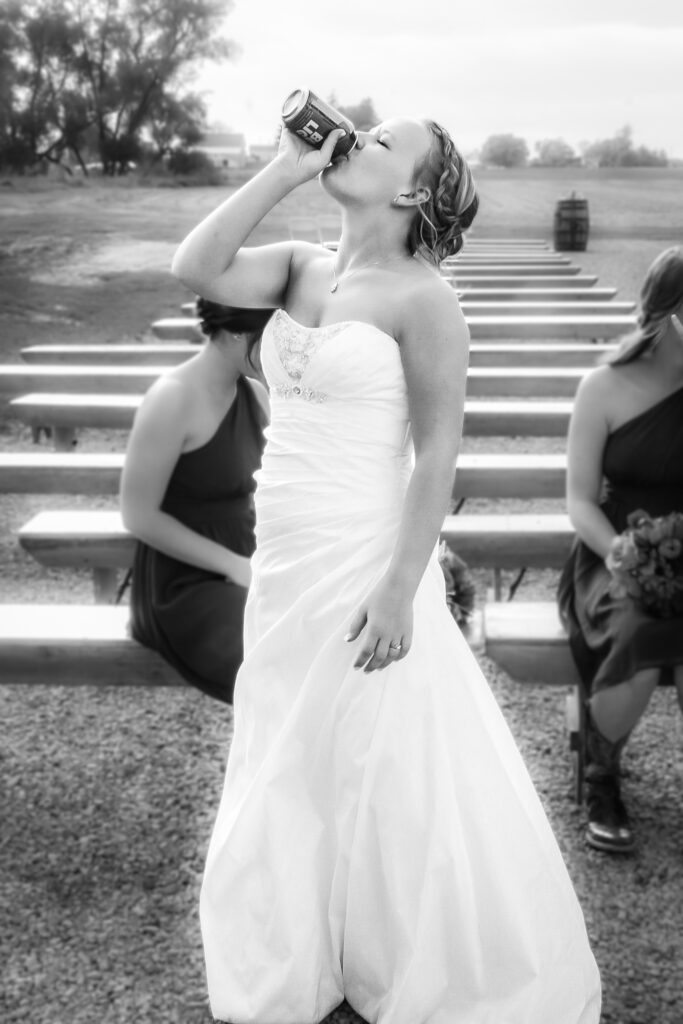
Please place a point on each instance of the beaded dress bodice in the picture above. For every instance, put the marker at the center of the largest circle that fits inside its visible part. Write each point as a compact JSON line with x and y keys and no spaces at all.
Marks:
{"x":351,"y":360}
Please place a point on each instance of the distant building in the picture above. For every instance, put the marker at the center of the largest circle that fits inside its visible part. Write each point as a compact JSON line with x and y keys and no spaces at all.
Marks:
{"x":262,"y":153}
{"x":224,"y":149}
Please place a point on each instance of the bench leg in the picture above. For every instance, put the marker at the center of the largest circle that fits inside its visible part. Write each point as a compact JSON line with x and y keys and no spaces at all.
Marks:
{"x":576,"y":727}
{"x":105,"y":585}
{"x":64,"y":438}
{"x":497,"y":584}
{"x":36,"y":433}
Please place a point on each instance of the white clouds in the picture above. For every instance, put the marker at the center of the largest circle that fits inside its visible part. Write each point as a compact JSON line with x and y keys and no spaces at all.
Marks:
{"x":530,"y":67}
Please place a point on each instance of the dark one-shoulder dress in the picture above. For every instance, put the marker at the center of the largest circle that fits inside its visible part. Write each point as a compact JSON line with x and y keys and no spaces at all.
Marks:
{"x":612,"y":639}
{"x":194,"y":617}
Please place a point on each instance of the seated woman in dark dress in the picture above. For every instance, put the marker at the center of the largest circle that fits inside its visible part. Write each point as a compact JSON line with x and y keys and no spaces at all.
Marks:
{"x":187,"y":495}
{"x":625,"y":452}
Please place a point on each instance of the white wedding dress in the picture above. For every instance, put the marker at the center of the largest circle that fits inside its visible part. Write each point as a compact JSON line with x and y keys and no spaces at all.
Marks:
{"x":378,"y":838}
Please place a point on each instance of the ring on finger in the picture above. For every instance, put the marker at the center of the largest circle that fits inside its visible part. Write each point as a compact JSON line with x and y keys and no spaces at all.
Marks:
{"x":396,"y":648}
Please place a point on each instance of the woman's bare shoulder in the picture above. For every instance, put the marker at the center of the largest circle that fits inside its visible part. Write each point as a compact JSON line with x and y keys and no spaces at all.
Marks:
{"x":601,"y":383}
{"x":172,"y":394}
{"x":428,"y":304}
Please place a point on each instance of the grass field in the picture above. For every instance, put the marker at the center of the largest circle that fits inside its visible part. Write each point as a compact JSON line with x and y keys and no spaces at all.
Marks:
{"x":91,"y":263}
{"x":108,"y":796}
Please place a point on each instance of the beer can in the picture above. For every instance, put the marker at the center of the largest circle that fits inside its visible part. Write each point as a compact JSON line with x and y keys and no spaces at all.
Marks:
{"x":312,"y":120}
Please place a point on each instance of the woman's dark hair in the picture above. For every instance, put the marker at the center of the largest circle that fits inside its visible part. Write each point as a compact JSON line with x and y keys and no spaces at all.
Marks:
{"x":660,"y":296}
{"x":213,"y":317}
{"x":437,"y":229}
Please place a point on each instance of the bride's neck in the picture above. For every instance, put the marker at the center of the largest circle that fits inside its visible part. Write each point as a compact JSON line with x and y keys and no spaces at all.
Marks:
{"x":366,"y":238}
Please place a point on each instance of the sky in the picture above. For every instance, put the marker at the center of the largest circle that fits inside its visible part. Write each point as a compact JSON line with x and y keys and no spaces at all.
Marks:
{"x":575,"y":69}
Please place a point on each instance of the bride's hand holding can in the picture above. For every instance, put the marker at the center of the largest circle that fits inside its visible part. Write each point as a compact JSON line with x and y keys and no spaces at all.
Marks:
{"x":300,"y":159}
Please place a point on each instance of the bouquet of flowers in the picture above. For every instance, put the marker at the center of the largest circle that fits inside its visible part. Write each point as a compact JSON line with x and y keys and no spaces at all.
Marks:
{"x":646,"y":563}
{"x":460,"y":588}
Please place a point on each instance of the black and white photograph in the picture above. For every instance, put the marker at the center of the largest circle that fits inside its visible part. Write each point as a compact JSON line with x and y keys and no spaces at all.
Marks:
{"x":341,"y":512}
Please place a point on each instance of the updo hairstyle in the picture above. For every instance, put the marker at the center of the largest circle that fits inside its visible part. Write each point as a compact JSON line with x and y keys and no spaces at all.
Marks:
{"x":437,"y":229}
{"x":660,"y":296}
{"x":213,"y":318}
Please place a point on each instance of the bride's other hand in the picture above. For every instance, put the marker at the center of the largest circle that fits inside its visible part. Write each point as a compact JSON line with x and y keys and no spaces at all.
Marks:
{"x":383,"y":619}
{"x":302,"y":161}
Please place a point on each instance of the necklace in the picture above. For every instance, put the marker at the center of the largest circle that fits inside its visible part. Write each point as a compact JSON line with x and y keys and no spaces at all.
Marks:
{"x":376,"y":263}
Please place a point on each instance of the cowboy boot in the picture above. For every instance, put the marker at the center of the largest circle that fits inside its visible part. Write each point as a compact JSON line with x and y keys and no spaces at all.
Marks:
{"x":608,"y":826}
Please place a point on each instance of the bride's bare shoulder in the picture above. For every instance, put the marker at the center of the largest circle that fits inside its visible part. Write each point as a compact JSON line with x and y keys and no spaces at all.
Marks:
{"x":428,"y":304}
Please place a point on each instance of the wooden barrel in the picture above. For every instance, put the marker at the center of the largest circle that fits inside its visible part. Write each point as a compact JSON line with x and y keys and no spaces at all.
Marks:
{"x":571,"y":224}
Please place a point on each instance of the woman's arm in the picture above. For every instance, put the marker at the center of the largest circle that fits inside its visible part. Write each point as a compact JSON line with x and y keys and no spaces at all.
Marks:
{"x":434,"y":343}
{"x":212,"y":261}
{"x":155,"y":444}
{"x":588,"y":433}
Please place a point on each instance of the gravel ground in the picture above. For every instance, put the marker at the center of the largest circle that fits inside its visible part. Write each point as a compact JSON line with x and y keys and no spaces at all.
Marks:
{"x":108,"y":797}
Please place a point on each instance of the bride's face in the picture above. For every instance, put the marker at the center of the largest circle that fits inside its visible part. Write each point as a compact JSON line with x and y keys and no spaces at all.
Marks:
{"x":382,"y":165}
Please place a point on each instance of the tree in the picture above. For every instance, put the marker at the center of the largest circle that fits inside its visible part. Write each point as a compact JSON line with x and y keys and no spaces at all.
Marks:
{"x":619,"y":151}
{"x":505,"y":151}
{"x":176,"y":122}
{"x":362,"y":115}
{"x":132,"y":54}
{"x":554,"y":153}
{"x":100,"y":69}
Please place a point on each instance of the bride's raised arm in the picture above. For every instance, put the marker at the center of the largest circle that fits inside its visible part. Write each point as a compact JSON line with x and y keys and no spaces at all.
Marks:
{"x":212,"y":261}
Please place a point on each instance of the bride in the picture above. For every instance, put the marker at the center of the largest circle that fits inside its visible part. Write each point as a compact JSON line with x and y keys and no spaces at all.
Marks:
{"x":378,"y":838}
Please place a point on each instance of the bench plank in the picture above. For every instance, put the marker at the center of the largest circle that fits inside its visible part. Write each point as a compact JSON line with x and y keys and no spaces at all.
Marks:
{"x":502,"y":354}
{"x":522,"y":303}
{"x":515,"y":280}
{"x":498,"y":418}
{"x":478,"y":476}
{"x":503,"y":293}
{"x":87,"y":540}
{"x":507,"y":259}
{"x":542,"y":328}
{"x":561,"y":308}
{"x":110,"y":355}
{"x":76,"y":645}
{"x":528,"y":641}
{"x":38,"y":377}
{"x":535,"y":355}
{"x":530,"y":270}
{"x":476,"y":239}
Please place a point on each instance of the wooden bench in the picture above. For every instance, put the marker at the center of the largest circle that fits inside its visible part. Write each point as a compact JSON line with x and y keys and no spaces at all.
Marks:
{"x":110,"y":355}
{"x":478,"y":476}
{"x":540,"y":328}
{"x":64,"y":379}
{"x":523,"y":304}
{"x":528,"y":641}
{"x":543,"y":328}
{"x":473,"y":239}
{"x":501,"y":354}
{"x":98,"y":541}
{"x":515,"y":280}
{"x":65,"y":414}
{"x":565,"y":293}
{"x":532,"y":270}
{"x":506,"y":355}
{"x":482,"y":382}
{"x":476,"y":307}
{"x":507,"y":259}
{"x":76,"y":645}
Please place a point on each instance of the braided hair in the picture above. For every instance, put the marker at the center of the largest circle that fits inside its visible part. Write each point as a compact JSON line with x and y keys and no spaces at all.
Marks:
{"x":437,"y":229}
{"x":213,"y":318}
{"x":660,"y":296}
